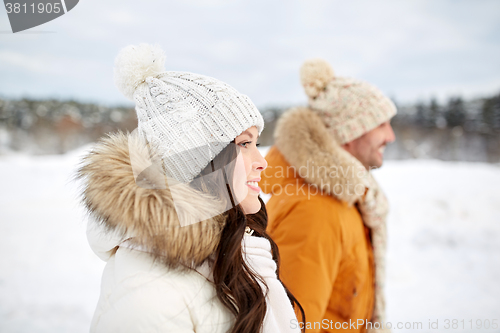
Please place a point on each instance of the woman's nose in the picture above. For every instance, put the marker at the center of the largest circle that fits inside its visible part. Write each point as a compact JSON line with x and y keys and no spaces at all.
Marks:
{"x":260,"y":162}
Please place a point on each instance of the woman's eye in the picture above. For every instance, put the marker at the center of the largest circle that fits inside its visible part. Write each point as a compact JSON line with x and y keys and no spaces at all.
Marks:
{"x":244,"y":144}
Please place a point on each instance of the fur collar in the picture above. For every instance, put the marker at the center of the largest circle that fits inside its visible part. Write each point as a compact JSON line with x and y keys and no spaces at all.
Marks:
{"x":306,"y":144}
{"x":146,"y":213}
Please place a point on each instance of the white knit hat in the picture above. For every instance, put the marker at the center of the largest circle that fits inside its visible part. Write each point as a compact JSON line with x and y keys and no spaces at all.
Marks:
{"x":348,"y":107}
{"x":189,"y":117}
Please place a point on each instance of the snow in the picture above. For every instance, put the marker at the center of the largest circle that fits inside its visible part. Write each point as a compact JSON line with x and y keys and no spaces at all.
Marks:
{"x":443,"y":252}
{"x":49,"y":277}
{"x":444,"y":241}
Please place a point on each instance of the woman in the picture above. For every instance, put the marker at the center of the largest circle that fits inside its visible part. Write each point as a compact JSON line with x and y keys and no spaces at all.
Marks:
{"x":170,"y":207}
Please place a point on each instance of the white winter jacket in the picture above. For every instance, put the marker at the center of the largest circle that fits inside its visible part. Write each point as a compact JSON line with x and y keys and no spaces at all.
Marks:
{"x":146,"y":285}
{"x":141,"y":295}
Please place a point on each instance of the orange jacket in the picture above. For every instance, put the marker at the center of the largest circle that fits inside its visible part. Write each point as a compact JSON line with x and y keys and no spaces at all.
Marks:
{"x":325,"y":250}
{"x":327,"y":258}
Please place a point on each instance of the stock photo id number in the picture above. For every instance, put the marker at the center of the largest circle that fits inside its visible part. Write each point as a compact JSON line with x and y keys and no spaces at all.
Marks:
{"x":24,"y":15}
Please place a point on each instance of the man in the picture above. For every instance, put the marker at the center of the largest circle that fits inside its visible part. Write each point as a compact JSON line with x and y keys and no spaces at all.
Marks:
{"x":327,"y":213}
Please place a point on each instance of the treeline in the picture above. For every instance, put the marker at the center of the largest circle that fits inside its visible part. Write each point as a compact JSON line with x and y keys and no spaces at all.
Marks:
{"x":53,"y":126}
{"x":479,"y":115}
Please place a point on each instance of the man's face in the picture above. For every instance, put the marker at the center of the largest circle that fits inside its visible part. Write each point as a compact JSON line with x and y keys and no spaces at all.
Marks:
{"x":369,"y":148}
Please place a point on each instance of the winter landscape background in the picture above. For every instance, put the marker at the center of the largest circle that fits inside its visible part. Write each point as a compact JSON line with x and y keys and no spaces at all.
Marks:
{"x":438,"y":60}
{"x":443,"y":252}
{"x":442,"y":177}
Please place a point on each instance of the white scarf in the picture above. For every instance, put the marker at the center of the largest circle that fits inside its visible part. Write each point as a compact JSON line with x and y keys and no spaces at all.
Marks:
{"x":280,"y":316}
{"x":374,"y":208}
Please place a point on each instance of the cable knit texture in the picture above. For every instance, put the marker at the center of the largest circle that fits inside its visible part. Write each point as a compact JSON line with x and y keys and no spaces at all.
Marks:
{"x":189,"y":118}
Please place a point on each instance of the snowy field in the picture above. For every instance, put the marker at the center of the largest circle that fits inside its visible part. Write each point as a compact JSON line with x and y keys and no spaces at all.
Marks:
{"x":443,"y":256}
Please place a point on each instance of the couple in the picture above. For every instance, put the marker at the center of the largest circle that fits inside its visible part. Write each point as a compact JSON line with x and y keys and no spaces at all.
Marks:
{"x":176,"y":213}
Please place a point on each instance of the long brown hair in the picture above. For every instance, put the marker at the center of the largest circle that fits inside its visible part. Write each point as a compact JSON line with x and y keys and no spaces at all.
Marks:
{"x":258,"y":222}
{"x":237,"y":286}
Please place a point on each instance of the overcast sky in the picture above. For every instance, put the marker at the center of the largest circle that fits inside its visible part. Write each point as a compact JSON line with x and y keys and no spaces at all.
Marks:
{"x":410,"y":49}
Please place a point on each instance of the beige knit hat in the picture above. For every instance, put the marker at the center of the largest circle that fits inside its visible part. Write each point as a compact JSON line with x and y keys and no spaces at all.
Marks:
{"x":348,"y":107}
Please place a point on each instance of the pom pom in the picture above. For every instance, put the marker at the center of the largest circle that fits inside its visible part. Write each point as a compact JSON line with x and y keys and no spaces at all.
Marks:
{"x":315,"y":75}
{"x":134,"y":64}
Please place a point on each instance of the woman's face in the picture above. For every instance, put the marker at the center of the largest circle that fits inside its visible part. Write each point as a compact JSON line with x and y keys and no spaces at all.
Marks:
{"x":249,"y":165}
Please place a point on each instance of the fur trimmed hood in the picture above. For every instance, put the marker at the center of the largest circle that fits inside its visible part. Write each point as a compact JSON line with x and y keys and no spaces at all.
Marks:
{"x":143,"y":213}
{"x":306,"y":144}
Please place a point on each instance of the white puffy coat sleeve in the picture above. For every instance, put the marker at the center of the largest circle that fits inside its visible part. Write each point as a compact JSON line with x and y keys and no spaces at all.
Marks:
{"x":151,"y":308}
{"x":140,"y":295}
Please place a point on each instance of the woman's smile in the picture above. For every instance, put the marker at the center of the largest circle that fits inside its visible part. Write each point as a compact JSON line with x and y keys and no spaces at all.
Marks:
{"x":254,"y":185}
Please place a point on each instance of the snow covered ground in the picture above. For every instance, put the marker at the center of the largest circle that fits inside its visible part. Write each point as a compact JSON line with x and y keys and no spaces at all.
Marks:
{"x":443,"y":256}
{"x":444,"y":243}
